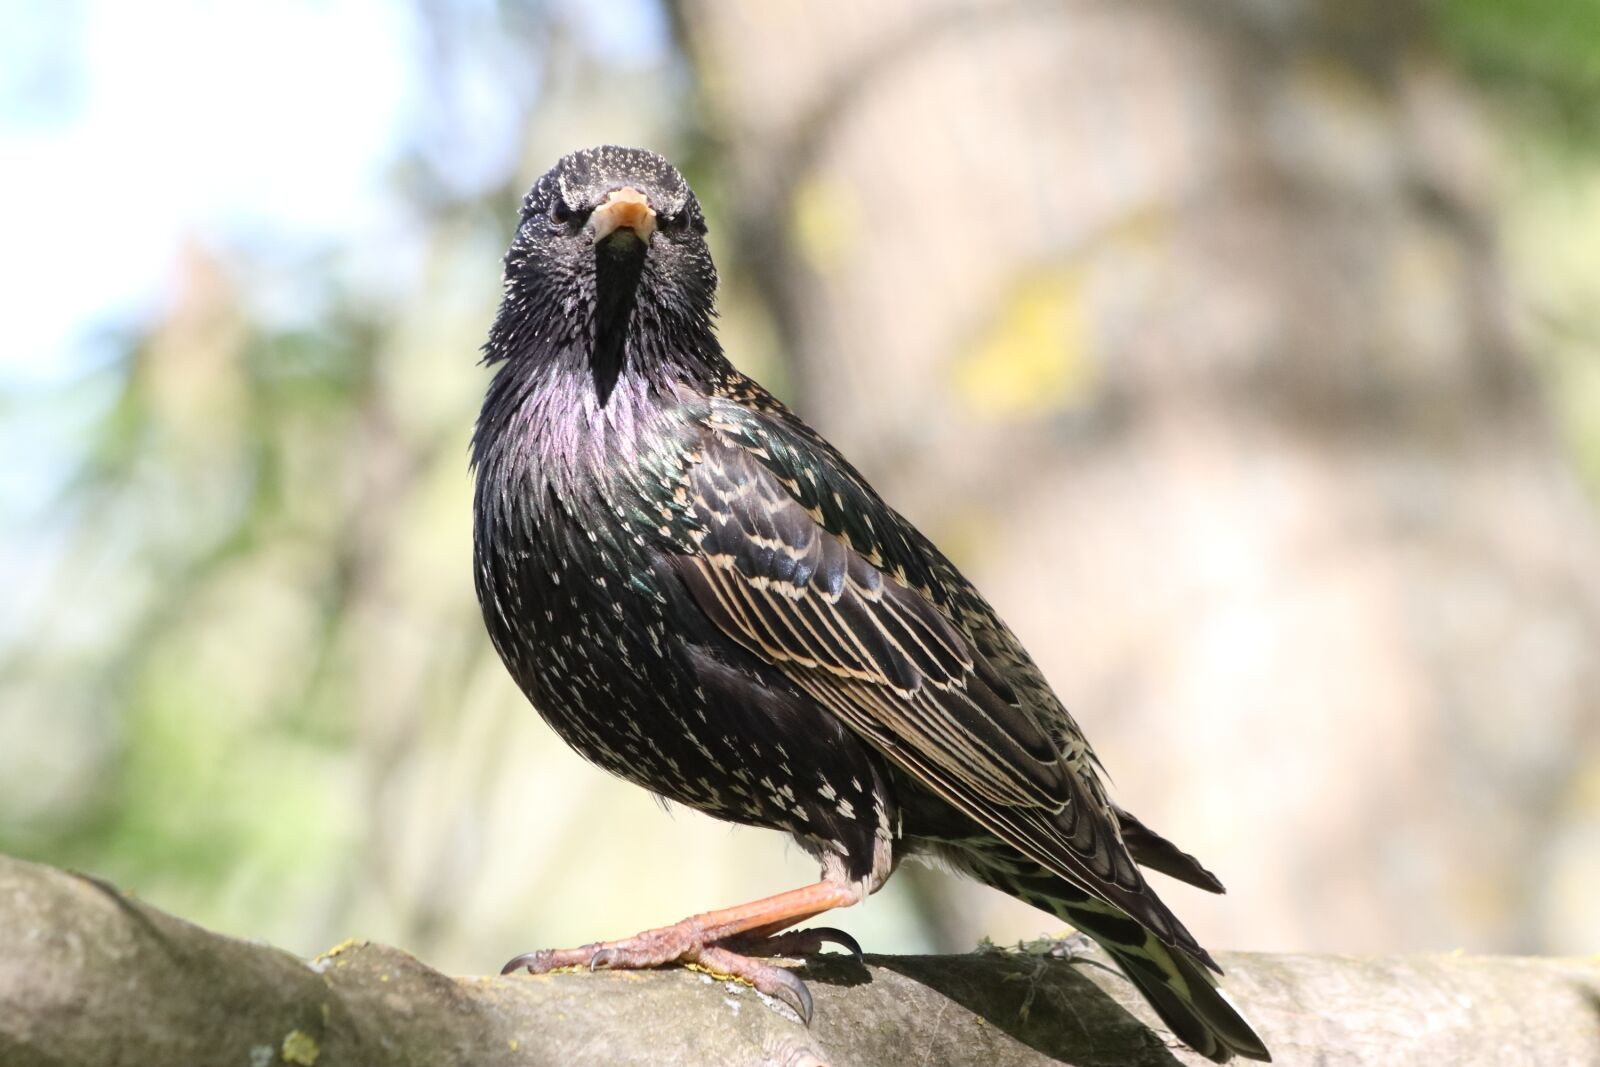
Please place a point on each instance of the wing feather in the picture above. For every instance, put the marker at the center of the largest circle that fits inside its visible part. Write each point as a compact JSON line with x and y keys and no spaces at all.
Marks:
{"x":828,"y":597}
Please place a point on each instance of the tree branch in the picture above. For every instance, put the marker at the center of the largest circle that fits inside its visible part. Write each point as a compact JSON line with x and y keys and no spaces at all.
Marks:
{"x":92,"y":978}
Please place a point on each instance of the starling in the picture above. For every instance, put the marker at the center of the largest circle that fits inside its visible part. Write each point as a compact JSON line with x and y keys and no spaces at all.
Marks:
{"x":701,"y":595}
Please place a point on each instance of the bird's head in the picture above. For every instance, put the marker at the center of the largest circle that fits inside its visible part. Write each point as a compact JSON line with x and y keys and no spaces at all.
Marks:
{"x":610,"y":249}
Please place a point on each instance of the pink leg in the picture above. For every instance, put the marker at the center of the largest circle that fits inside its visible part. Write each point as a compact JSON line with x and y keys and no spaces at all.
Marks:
{"x":710,"y":938}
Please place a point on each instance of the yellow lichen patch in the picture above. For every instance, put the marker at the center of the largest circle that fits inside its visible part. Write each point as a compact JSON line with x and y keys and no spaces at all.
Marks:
{"x":627,"y":975}
{"x":300,"y":1048}
{"x":343,"y":946}
{"x":511,"y":1043}
{"x":1036,"y":357}
{"x":718,"y":975}
{"x":545,"y":976}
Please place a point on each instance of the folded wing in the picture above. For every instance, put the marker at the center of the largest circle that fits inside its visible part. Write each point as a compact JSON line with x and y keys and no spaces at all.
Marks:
{"x":847,"y":625}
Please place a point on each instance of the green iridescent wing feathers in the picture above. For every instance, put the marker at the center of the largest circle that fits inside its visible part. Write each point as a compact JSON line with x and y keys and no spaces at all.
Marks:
{"x":802,"y":564}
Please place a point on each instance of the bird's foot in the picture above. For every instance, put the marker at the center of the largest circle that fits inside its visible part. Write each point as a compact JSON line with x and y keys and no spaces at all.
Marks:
{"x":724,"y":942}
{"x":683,"y":943}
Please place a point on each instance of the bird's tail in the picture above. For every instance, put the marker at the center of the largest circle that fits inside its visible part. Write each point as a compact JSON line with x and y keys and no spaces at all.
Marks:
{"x":1181,"y":990}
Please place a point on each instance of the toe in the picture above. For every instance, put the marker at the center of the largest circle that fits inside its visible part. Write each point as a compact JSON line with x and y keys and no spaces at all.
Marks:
{"x":773,"y":981}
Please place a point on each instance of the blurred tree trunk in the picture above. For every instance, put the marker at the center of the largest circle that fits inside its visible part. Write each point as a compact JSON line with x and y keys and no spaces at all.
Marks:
{"x":1182,"y":328}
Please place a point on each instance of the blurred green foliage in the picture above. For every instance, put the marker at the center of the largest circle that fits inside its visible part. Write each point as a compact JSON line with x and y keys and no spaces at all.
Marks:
{"x":1543,"y":55}
{"x":1538,"y":62}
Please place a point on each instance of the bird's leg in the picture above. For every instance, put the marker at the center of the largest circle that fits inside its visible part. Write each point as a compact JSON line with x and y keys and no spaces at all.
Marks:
{"x":723,"y":941}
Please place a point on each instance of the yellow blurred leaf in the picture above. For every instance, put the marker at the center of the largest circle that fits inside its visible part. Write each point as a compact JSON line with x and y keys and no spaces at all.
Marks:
{"x":822,"y":222}
{"x":1036,"y":358}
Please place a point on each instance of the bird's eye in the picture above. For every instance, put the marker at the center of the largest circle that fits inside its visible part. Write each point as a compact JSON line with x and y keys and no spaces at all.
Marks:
{"x":560,"y":213}
{"x":678,"y":221}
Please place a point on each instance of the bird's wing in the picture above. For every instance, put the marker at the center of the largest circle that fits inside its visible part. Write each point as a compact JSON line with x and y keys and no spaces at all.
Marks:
{"x":803,"y":565}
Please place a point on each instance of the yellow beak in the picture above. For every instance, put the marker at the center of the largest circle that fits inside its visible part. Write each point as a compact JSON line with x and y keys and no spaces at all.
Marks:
{"x":625,"y":208}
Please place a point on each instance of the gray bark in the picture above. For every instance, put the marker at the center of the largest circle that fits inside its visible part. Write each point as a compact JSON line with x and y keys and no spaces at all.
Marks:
{"x":90,"y":977}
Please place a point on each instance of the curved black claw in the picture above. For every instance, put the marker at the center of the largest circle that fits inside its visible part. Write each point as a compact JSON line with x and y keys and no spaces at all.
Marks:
{"x":531,"y":960}
{"x":830,"y":935}
{"x":792,"y":991}
{"x":796,"y":943}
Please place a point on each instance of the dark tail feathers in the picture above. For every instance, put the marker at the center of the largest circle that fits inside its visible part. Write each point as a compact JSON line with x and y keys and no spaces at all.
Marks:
{"x":1150,"y":849}
{"x":1178,"y":987}
{"x":1183,"y":994}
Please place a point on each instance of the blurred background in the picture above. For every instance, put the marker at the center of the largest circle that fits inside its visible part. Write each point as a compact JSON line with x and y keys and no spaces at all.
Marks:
{"x":1246,"y":354}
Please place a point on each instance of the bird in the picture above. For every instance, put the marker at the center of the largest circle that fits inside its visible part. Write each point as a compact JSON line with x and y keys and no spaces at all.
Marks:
{"x":701,"y":595}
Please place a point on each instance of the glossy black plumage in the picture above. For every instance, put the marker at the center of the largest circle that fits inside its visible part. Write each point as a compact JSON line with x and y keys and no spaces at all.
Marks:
{"x":701,"y":595}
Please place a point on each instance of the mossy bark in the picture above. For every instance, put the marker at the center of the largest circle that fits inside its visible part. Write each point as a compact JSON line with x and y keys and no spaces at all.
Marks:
{"x":92,"y":978}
